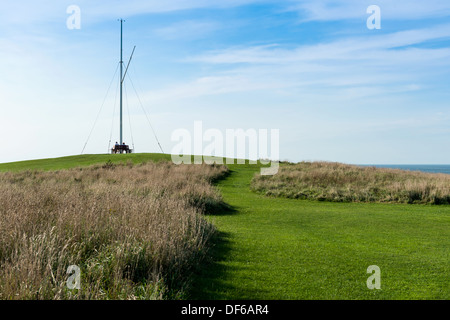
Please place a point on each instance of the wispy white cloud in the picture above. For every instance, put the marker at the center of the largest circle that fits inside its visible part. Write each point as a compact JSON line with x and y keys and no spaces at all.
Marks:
{"x":29,"y":12}
{"x":209,"y":86}
{"x":187,"y":30}
{"x":347,"y":69}
{"x":132,"y":7}
{"x":334,"y":10}
{"x":343,"y":49}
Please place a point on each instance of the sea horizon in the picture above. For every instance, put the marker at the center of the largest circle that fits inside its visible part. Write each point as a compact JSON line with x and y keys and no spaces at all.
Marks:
{"x":428,"y":168}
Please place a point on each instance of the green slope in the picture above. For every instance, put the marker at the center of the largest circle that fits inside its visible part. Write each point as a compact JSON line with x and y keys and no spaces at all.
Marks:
{"x":270,"y":248}
{"x":81,"y":160}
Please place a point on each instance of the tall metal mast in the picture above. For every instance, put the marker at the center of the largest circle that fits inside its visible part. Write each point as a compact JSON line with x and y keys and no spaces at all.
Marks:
{"x":121,"y":81}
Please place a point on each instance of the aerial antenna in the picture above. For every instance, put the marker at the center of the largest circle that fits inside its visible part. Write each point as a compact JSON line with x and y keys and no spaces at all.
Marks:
{"x":121,"y":78}
{"x":122,"y":147}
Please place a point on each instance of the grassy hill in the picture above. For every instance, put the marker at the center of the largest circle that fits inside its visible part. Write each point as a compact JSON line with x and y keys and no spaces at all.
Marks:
{"x":277,"y":248}
{"x":80,"y":160}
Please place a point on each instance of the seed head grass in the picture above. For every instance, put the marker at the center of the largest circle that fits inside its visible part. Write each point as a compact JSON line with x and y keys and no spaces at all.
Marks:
{"x":338,"y":182}
{"x":135,"y":231}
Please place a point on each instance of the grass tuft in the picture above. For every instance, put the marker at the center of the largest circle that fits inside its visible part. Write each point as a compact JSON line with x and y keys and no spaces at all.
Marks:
{"x":337,"y":182}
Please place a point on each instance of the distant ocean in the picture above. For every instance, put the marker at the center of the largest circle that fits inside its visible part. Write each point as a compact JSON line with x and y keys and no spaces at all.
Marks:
{"x":430,"y":168}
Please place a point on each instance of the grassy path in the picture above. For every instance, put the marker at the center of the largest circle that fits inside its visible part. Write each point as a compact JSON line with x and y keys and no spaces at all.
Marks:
{"x":289,"y":249}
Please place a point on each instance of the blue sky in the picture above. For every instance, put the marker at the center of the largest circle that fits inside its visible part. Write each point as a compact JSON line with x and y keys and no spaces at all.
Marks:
{"x":336,"y":90}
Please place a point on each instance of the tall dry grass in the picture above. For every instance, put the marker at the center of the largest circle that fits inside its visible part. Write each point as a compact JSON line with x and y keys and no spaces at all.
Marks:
{"x":330,"y":181}
{"x":136,"y":232}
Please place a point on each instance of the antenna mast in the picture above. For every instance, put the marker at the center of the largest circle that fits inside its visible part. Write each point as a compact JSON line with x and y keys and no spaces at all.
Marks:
{"x":122,"y":147}
{"x":121,"y":77}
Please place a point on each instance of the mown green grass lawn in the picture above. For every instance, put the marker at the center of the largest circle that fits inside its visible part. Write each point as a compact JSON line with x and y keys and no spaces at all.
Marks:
{"x":273,"y":248}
